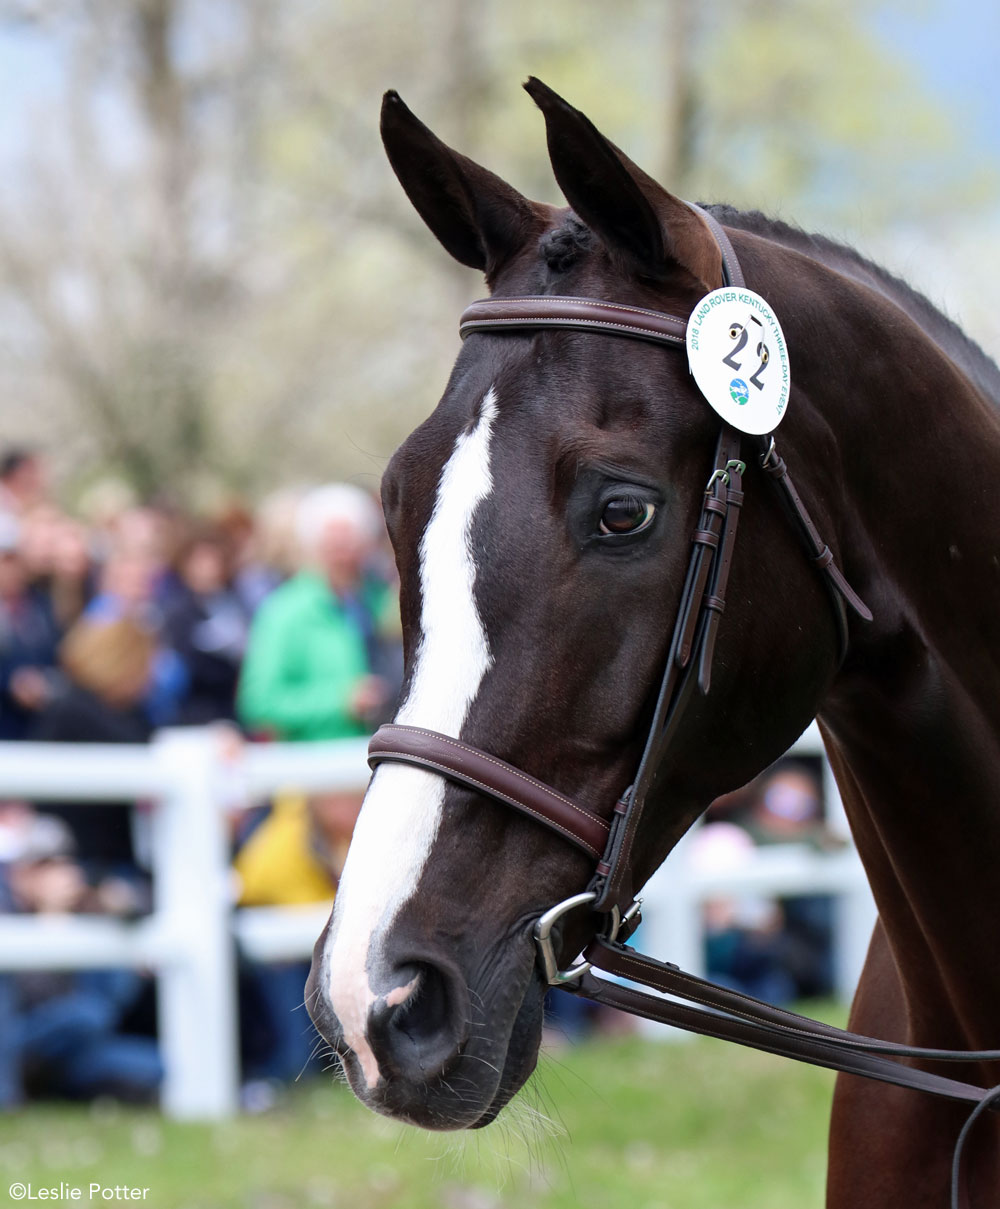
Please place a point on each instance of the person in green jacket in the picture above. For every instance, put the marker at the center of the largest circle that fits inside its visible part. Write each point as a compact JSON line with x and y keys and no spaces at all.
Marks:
{"x":308,"y":673}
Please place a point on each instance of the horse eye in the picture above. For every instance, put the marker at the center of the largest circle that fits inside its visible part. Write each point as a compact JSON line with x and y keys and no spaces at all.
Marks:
{"x":626,"y":514}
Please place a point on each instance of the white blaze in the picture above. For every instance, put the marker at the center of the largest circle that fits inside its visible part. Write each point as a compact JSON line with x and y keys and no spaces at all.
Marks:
{"x":402,"y":809}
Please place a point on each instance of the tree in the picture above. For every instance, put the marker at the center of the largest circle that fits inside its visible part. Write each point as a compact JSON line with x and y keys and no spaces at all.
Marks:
{"x":209,"y":275}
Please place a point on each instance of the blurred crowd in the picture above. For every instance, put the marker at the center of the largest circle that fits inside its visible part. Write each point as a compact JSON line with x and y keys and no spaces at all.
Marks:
{"x":274,"y":624}
{"x":280,"y":623}
{"x":780,"y":950}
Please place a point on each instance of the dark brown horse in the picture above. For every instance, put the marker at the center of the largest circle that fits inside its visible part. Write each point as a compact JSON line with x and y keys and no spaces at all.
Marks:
{"x":541,"y":519}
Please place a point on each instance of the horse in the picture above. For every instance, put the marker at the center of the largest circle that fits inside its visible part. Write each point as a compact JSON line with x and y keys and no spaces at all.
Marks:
{"x":542,"y":522}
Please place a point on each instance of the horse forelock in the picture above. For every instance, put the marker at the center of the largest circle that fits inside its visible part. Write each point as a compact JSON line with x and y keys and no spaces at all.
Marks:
{"x":563,"y":246}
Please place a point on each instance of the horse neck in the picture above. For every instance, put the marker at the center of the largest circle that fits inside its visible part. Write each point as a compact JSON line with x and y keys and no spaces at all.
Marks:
{"x":913,"y":720}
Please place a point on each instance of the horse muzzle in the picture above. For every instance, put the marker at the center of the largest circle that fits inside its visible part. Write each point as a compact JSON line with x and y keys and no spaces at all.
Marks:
{"x":423,"y":1042}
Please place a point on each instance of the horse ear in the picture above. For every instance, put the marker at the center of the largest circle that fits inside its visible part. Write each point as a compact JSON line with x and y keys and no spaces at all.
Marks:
{"x":479,"y":218}
{"x":631,"y":213}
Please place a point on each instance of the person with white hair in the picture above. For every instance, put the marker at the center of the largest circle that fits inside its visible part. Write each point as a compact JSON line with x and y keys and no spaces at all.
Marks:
{"x":308,"y":667}
{"x":308,"y":674}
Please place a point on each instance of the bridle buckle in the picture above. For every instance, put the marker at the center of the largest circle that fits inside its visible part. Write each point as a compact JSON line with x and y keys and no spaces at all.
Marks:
{"x":734,"y":464}
{"x":543,"y":936}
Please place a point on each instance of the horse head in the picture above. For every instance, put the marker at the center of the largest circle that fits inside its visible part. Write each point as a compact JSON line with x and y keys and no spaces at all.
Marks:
{"x":541,"y":519}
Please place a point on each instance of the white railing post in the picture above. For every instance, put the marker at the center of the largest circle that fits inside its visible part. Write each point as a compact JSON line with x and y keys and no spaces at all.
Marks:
{"x":672,"y":927}
{"x":188,"y":940}
{"x":197,"y":985}
{"x":854,"y":919}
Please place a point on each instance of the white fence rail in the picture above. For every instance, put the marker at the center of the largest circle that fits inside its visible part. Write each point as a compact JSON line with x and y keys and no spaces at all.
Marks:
{"x":188,"y":940}
{"x":674,"y":895}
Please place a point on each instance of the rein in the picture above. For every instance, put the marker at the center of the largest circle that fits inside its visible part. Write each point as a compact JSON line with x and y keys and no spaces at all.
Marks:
{"x":720,"y":1012}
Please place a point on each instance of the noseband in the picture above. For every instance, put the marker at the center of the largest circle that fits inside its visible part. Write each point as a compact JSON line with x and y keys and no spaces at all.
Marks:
{"x":688,"y":669}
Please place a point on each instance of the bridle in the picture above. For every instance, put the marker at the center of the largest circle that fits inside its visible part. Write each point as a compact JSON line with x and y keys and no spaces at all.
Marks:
{"x":729,"y":1015}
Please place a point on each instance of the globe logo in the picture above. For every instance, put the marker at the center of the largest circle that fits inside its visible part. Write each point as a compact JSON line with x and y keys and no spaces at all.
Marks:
{"x":739,"y":391}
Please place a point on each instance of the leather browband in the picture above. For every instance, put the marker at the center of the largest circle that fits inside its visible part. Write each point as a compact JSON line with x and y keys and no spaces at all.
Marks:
{"x":587,"y":313}
{"x":593,"y":314}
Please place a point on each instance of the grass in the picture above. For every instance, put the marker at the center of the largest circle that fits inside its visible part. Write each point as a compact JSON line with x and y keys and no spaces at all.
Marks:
{"x":613,"y":1124}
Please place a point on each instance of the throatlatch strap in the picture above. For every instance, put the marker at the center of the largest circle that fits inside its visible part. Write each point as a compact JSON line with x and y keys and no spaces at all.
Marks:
{"x":821,"y":554}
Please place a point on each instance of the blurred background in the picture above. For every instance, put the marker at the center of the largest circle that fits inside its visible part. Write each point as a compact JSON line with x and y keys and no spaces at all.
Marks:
{"x":206,"y":264}
{"x":218,"y":317}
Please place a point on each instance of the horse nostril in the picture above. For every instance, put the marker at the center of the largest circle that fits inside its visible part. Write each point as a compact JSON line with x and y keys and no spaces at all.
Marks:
{"x":414,"y":1035}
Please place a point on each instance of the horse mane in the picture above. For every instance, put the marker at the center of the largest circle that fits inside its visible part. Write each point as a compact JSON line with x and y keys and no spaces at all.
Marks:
{"x":945,"y":332}
{"x":562,"y":247}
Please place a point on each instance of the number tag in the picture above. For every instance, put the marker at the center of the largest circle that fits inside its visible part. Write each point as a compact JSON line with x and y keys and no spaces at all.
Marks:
{"x":738,"y":356}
